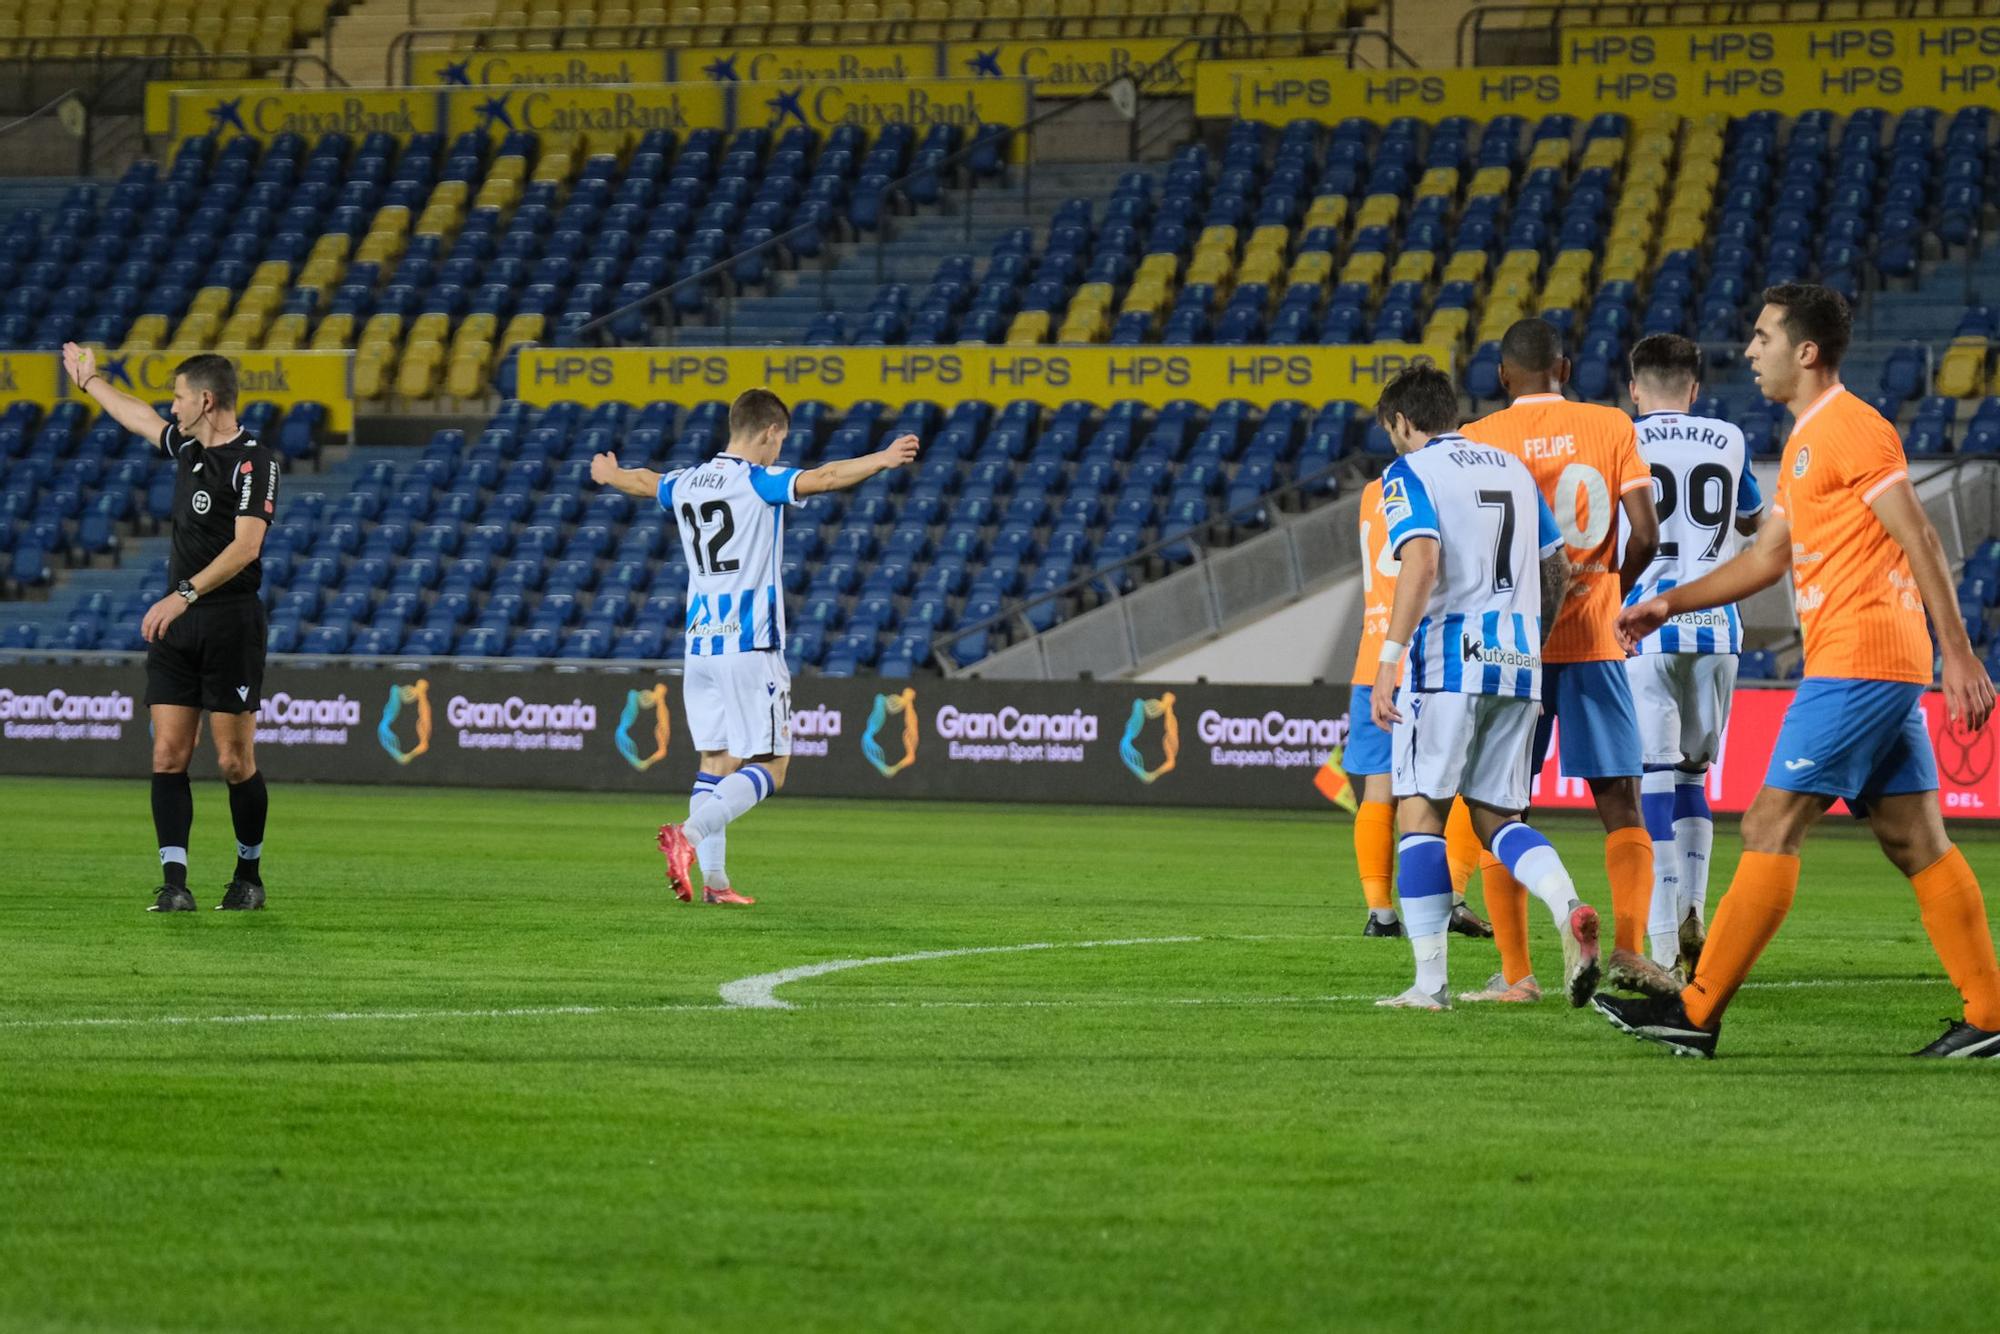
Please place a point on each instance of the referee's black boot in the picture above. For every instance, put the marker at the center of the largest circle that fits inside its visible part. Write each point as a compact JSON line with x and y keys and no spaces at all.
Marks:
{"x":172,"y":898}
{"x":241,"y":896}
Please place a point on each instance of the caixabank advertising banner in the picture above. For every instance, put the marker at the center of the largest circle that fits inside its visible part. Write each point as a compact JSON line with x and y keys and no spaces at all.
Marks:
{"x":594,"y":730}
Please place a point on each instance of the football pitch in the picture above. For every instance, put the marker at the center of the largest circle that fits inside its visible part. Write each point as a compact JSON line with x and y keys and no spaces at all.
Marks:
{"x":475,"y":1070}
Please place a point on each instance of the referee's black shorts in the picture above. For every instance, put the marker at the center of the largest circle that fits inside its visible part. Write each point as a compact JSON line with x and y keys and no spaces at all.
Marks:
{"x":212,"y":657}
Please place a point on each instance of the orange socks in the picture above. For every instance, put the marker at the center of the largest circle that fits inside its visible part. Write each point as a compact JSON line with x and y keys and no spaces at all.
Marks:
{"x":1750,"y":914}
{"x":1628,"y":862}
{"x":1955,"y":916}
{"x":1375,"y":850}
{"x":1461,"y":847}
{"x":1507,"y":905}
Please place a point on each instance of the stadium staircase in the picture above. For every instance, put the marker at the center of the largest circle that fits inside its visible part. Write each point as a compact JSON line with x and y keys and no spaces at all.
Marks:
{"x":864,"y":272}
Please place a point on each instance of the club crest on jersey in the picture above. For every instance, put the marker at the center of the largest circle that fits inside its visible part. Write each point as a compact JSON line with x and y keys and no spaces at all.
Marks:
{"x":1802,"y":462}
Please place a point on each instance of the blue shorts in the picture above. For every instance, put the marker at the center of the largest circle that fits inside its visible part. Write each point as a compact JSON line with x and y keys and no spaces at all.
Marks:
{"x":1600,"y":728}
{"x":1367,"y":744}
{"x":1854,"y":739}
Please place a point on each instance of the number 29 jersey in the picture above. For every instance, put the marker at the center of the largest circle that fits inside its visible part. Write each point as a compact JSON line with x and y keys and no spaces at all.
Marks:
{"x":1482,"y":632}
{"x":730,"y":513}
{"x":1701,"y":484}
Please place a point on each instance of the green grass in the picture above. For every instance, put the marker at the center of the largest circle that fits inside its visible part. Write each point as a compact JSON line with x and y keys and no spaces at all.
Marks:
{"x":1079,"y":1150}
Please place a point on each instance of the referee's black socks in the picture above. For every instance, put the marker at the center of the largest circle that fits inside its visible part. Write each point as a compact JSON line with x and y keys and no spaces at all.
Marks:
{"x":173,"y":817}
{"x":249,"y":803}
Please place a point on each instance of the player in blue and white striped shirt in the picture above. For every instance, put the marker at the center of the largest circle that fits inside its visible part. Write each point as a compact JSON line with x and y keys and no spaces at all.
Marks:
{"x":1483,"y":572}
{"x":738,"y":691}
{"x":1685,"y":672}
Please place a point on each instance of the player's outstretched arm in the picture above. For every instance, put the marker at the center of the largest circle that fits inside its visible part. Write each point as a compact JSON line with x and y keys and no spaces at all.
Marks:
{"x":1968,"y":691}
{"x":134,"y":414}
{"x":842,"y":474}
{"x":641,"y":482}
{"x":1760,"y":565}
{"x":1413,"y":593}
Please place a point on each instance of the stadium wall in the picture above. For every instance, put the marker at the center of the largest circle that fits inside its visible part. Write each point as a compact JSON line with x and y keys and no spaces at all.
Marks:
{"x":600,"y":730}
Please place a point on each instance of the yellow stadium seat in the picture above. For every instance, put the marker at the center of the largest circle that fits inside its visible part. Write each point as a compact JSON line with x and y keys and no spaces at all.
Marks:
{"x":386,"y":327}
{"x":1261,"y":266}
{"x":1414,"y":266}
{"x":1466,"y":266}
{"x":1029,"y":328}
{"x":1037,"y":19}
{"x":1163,"y":266}
{"x":1379,"y":211}
{"x":1368,"y":267}
{"x":334,"y":334}
{"x":1626,"y":266}
{"x":1211,"y":266}
{"x":1490,"y":181}
{"x":1326,"y":211}
{"x":417,"y":375}
{"x":146,"y":333}
{"x":430,"y":327}
{"x":1438,"y":181}
{"x":1274,"y":237}
{"x":211,"y":301}
{"x":1147,"y":296}
{"x":370,"y":373}
{"x":479,"y":327}
{"x":1549,"y":153}
{"x":466,"y":377}
{"x":1222,"y":237}
{"x":1962,"y":370}
{"x":1447,"y":327}
{"x":1312,"y":266}
{"x":287,"y":334}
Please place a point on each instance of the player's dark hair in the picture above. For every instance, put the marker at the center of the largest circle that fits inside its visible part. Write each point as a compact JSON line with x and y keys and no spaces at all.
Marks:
{"x":1667,"y":359}
{"x":1816,"y":315}
{"x":211,"y":373}
{"x":756,"y":411}
{"x":1531,"y":344}
{"x":1425,"y":395}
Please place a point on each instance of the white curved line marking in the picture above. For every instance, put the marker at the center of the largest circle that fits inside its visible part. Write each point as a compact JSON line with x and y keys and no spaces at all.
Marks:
{"x":717,"y":1007}
{"x":760,"y":992}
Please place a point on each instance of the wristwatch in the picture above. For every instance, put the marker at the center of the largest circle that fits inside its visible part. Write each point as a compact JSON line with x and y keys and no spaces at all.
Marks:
{"x":186,"y":589}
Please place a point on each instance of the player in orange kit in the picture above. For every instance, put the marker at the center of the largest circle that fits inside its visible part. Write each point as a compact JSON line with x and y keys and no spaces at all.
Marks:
{"x":1586,"y":461}
{"x":1366,"y":759}
{"x":1866,"y":566}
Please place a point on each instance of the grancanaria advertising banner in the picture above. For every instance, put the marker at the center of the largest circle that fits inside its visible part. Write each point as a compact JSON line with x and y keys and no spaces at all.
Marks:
{"x":1050,"y":375}
{"x":1091,"y":742}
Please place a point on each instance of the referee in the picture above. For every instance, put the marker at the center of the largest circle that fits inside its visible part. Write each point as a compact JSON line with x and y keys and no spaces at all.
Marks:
{"x":206,"y":637}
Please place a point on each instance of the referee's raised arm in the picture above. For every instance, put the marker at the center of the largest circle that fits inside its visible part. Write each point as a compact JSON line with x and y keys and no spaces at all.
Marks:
{"x":128,"y":410}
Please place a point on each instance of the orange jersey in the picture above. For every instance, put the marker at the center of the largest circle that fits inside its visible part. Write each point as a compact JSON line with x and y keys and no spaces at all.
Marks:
{"x":1585,"y":459}
{"x":1378,"y":584}
{"x":1857,"y":601}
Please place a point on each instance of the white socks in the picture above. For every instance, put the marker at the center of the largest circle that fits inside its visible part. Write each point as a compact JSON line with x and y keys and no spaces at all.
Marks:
{"x":1694,"y":838}
{"x":1663,"y":921}
{"x":731,"y":798}
{"x":1534,"y":862}
{"x":713,"y":852}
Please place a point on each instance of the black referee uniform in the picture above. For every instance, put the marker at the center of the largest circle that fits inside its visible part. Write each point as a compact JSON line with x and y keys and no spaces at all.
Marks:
{"x":212,"y":656}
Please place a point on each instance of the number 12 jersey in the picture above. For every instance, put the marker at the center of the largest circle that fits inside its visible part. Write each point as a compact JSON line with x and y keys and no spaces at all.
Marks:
{"x":730,"y":513}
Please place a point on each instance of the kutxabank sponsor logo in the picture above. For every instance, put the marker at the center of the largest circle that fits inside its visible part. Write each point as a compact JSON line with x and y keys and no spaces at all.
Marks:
{"x":1274,"y":740}
{"x":57,"y":715}
{"x":518,"y":724}
{"x":296,"y":720}
{"x":1015,"y":736}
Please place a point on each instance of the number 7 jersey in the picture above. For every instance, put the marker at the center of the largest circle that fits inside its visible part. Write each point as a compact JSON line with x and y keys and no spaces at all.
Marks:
{"x":1482,"y":631}
{"x":731,"y":517}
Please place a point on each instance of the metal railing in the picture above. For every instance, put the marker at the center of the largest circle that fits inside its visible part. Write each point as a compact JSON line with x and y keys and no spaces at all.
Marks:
{"x":1530,"y":34}
{"x":898,"y":190}
{"x":1206,"y":605}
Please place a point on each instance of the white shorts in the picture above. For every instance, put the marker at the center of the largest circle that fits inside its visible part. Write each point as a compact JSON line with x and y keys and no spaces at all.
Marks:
{"x":740,"y":703}
{"x":1472,"y":746}
{"x":1683,"y":704}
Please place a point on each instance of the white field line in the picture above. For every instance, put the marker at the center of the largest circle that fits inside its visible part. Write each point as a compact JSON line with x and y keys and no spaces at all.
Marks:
{"x":760,"y":992}
{"x":756,"y":993}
